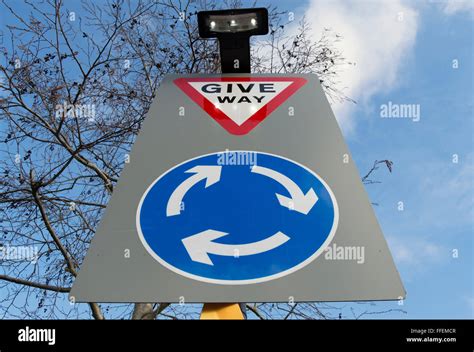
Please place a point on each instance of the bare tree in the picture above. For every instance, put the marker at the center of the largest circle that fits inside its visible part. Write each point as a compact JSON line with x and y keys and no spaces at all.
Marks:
{"x":76,"y":84}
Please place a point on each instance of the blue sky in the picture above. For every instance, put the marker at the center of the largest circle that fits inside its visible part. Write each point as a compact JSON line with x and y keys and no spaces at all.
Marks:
{"x":437,"y":193}
{"x":410,"y":61}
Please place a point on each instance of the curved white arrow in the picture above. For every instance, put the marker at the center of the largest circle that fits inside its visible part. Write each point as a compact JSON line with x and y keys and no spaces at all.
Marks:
{"x":299,"y":201}
{"x":210,"y":173}
{"x":202,"y":244}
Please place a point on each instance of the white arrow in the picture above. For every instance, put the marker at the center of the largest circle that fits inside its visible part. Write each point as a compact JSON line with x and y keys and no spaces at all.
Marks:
{"x":299,"y":201}
{"x":201,"y":244}
{"x":210,"y":173}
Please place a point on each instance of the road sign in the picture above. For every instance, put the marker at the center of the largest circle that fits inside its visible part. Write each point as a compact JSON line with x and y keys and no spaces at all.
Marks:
{"x":273,"y":212}
{"x":190,"y":218}
{"x":239,"y":103}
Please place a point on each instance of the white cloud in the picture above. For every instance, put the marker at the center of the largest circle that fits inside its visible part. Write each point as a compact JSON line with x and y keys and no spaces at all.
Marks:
{"x":377,"y":36}
{"x":451,"y":7}
{"x":415,"y":254}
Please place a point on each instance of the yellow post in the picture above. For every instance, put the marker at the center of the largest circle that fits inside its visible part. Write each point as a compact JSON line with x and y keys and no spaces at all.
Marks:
{"x":221,"y":311}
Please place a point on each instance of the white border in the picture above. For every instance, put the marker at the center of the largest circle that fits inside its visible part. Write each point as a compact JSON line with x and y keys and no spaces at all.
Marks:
{"x":250,"y":281}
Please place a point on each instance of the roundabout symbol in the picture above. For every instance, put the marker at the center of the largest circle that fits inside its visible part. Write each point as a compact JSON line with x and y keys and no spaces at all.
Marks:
{"x":237,"y":223}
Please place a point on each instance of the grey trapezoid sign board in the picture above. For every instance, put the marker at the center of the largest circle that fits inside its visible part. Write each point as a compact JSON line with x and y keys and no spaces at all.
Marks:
{"x":239,"y":189}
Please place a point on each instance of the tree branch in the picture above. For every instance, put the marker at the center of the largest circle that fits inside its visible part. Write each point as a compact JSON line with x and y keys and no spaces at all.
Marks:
{"x":34,"y":284}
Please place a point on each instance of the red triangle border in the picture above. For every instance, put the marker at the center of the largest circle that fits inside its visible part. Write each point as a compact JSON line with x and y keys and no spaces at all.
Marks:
{"x":221,"y":118}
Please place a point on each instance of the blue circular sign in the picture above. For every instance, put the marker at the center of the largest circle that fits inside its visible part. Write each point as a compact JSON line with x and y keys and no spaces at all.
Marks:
{"x":237,"y":217}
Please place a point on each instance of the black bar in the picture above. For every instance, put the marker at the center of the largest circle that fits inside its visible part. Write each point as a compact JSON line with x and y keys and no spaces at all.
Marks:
{"x":326,"y":335}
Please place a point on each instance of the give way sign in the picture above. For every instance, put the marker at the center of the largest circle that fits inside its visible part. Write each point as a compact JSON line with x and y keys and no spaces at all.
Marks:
{"x":239,"y":104}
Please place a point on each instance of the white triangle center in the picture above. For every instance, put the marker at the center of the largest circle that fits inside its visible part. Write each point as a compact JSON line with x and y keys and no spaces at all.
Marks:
{"x":240,"y":100}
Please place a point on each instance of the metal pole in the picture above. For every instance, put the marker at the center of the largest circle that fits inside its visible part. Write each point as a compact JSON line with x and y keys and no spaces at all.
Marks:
{"x":222,"y":311}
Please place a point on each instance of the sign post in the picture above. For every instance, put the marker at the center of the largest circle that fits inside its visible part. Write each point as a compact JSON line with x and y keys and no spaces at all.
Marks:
{"x":221,"y":311}
{"x":240,"y":188}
